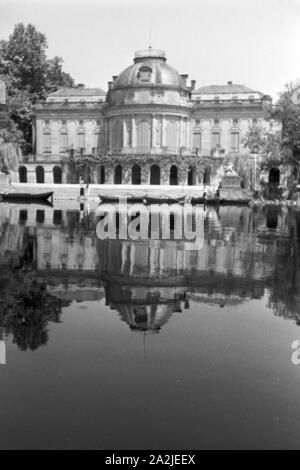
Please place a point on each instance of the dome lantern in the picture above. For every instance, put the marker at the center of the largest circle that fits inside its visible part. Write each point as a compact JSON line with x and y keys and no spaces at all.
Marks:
{"x":150,"y":53}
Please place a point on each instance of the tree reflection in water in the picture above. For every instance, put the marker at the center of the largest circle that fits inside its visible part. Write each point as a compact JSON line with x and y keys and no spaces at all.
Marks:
{"x":26,"y":307}
{"x":27,"y":310}
{"x":284,"y":296}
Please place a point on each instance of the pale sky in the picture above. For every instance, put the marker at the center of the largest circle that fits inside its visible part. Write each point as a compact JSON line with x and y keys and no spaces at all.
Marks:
{"x":255,"y":43}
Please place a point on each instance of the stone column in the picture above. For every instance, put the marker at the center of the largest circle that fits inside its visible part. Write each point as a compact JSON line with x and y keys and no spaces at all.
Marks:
{"x":163,"y":131}
{"x":34,"y":136}
{"x":187,"y":134}
{"x":152,"y":131}
{"x":93,"y":175}
{"x":183,"y":177}
{"x":110,"y":134}
{"x":199,"y":176}
{"x":132,"y":258}
{"x":124,"y":133}
{"x":165,"y":174}
{"x":109,"y":175}
{"x":133,"y":132}
{"x":145,"y":176}
{"x":180,"y":132}
{"x":126,"y":174}
{"x":64,"y":173}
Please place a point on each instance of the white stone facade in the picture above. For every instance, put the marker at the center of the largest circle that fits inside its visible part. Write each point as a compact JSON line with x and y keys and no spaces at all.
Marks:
{"x":149,"y":117}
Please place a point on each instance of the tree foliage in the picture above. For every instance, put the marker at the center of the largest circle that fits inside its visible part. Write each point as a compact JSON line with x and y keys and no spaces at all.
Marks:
{"x":287,"y":111}
{"x":29,"y":75}
{"x":265,"y":141}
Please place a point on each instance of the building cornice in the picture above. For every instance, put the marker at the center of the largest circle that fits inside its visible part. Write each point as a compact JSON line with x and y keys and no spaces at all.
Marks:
{"x":151,"y":108}
{"x":151,"y":86}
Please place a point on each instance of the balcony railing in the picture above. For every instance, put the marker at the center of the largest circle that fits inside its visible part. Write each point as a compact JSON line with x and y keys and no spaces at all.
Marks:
{"x":150,"y":53}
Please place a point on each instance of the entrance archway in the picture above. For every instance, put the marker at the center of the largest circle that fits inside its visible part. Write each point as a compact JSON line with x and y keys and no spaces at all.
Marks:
{"x":57,"y":175}
{"x":101,"y":175}
{"x":118,"y":174}
{"x":173,"y":175}
{"x":274,"y":176}
{"x":136,"y":174}
{"x":191,"y":176}
{"x":40,"y":174}
{"x":22,"y":174}
{"x":155,"y":174}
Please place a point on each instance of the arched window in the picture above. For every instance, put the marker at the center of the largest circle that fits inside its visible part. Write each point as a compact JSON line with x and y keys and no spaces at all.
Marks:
{"x":136,"y":174}
{"x":144,"y":73}
{"x":191,"y":176}
{"x":22,"y":174}
{"x":101,"y":175}
{"x":40,"y":174}
{"x":173,"y":175}
{"x":154,"y":174}
{"x":57,"y":175}
{"x":118,"y":175}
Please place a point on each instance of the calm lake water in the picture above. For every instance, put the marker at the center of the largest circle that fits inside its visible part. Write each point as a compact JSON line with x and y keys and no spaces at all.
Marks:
{"x":115,"y":344}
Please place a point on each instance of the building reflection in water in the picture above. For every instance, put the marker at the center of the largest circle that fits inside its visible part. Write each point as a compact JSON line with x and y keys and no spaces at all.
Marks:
{"x":50,"y":258}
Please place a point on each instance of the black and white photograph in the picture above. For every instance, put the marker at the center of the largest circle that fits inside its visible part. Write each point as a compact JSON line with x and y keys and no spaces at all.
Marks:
{"x":150,"y":227}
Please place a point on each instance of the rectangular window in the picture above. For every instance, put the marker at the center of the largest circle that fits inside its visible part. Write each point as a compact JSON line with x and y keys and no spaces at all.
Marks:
{"x":81,"y":140}
{"x":216,"y":138}
{"x":235,"y":140}
{"x":197,"y":141}
{"x":47,"y":142}
{"x":63,"y":142}
{"x":97,"y":139}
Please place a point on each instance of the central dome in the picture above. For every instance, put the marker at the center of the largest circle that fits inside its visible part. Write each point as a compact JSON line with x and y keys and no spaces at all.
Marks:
{"x":149,"y":68}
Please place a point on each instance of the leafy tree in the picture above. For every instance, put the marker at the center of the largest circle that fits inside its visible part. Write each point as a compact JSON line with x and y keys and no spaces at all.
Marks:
{"x":266,"y":141}
{"x":287,"y":111}
{"x":56,"y":77}
{"x":29,"y":75}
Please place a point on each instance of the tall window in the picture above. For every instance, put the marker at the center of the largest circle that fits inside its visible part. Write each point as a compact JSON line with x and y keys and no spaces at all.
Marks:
{"x":57,"y":175}
{"x":235,"y":141}
{"x":40,"y":174}
{"x":216,"y":139}
{"x":173,"y":177}
{"x":101,"y":175}
{"x":118,"y":175}
{"x":197,"y":141}
{"x":136,"y":174}
{"x":47,"y":142}
{"x":143,"y":135}
{"x":96,"y":140}
{"x":23,"y":174}
{"x":81,"y":140}
{"x":172,"y":134}
{"x":63,"y":142}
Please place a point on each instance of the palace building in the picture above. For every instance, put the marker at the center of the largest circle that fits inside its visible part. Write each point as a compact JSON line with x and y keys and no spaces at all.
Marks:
{"x":150,"y":127}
